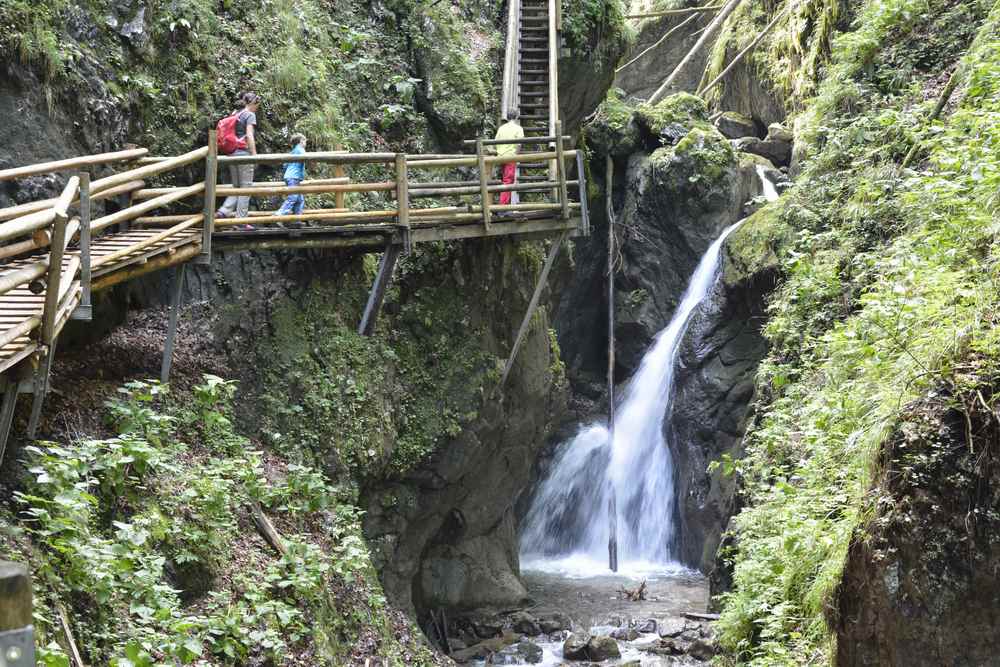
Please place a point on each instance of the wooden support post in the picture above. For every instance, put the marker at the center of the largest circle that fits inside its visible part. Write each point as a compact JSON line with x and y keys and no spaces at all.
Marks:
{"x":7,"y":414}
{"x":612,"y":499}
{"x":561,"y":172}
{"x":175,"y":309}
{"x":377,"y":294}
{"x":53,"y":279}
{"x":339,"y":172}
{"x":84,"y":311}
{"x":211,"y":180}
{"x":17,"y":640}
{"x":532,"y":305}
{"x":403,"y":200}
{"x":484,"y":184}
{"x":581,"y":180}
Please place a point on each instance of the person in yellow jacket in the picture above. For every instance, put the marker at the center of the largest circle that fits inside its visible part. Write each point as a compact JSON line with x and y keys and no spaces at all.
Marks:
{"x":511,"y":130}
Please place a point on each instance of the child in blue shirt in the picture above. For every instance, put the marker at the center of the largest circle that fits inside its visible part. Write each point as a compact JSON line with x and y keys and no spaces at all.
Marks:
{"x":295,"y":173}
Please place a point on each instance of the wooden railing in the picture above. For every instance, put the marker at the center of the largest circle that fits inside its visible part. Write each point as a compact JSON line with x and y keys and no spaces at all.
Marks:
{"x":510,"y":97}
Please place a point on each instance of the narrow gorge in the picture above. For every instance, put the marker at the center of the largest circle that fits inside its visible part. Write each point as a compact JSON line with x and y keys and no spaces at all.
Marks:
{"x":382,"y":434}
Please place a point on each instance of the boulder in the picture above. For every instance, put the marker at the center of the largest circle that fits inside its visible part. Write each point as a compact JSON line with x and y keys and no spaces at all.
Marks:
{"x":525,"y":623}
{"x":625,"y":634}
{"x":778,"y":132}
{"x":647,"y":626}
{"x":575,"y":647}
{"x":529,"y":652}
{"x":554,"y":623}
{"x":735,"y":125}
{"x":701,"y":649}
{"x":602,"y":648}
{"x":778,"y":152}
{"x":479,"y":651}
{"x":671,"y":627}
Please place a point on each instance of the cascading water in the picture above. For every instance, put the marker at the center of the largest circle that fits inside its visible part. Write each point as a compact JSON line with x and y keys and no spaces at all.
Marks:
{"x":567,"y":526}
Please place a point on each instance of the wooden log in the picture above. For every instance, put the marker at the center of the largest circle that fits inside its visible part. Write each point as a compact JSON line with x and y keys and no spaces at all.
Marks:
{"x":267,"y":529}
{"x":543,"y":279}
{"x":157,"y":263}
{"x":68,"y":634}
{"x":68,"y":278}
{"x":525,"y":140}
{"x":555,"y":9}
{"x":141,"y":173}
{"x":702,"y":41}
{"x":675,"y":12}
{"x":70,"y":164}
{"x":471,"y":190}
{"x":330,"y":157}
{"x":372,"y":216}
{"x":697,"y":616}
{"x":208,"y":201}
{"x":188,"y":223}
{"x":8,"y":336}
{"x":12,"y":212}
{"x":85,"y":215}
{"x":385,"y":186}
{"x":403,"y":199}
{"x":266,"y":187}
{"x":484,"y":188}
{"x":27,"y":224}
{"x":11,"y":279}
{"x":15,"y":596}
{"x":53,"y":278}
{"x":528,"y":158}
{"x":137,"y":210}
{"x":377,"y":293}
{"x":561,"y":172}
{"x":949,"y":89}
{"x":658,"y":42}
{"x":22,"y":247}
{"x":750,"y":47}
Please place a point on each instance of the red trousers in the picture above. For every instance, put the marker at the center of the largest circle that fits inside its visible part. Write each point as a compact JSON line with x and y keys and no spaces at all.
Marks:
{"x":508,"y":176}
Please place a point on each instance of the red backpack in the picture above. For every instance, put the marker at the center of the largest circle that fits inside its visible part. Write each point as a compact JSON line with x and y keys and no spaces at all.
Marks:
{"x":226,"y":137}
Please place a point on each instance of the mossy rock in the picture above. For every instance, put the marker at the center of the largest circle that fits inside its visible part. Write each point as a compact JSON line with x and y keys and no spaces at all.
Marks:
{"x":614,"y":130}
{"x":672,"y":117}
{"x":758,"y":245}
{"x":699,"y":162}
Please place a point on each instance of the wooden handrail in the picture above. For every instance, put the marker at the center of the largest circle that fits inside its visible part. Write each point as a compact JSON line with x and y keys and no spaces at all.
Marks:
{"x":329,"y":157}
{"x":137,"y":210}
{"x":103,"y":184}
{"x":12,"y":212}
{"x":510,"y":94}
{"x":71,"y":164}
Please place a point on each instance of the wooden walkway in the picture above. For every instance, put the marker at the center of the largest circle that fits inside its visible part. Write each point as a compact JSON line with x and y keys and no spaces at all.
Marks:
{"x":162,"y":227}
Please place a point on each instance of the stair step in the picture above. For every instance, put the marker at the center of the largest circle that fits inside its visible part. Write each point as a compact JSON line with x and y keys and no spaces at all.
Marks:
{"x":534,"y":50}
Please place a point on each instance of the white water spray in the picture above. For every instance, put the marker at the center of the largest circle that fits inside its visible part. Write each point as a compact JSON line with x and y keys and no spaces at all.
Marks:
{"x":567,"y":527}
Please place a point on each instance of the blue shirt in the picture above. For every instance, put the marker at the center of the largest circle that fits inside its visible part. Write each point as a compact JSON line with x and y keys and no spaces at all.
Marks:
{"x":296,"y":170}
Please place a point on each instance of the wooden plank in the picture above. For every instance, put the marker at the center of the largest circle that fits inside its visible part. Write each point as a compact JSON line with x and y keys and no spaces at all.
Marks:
{"x":377,"y":294}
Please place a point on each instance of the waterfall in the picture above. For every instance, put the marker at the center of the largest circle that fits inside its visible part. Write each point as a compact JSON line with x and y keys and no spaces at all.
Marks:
{"x":566,"y":528}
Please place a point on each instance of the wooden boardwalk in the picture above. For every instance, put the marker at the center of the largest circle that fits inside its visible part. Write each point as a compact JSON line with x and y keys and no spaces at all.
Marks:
{"x":54,"y":253}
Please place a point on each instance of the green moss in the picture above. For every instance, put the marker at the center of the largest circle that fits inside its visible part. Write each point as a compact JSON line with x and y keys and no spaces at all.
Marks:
{"x":596,"y":29}
{"x":679,"y":110}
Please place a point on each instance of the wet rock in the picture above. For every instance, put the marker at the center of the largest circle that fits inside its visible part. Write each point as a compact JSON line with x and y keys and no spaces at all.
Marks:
{"x":672,"y":627}
{"x":529,"y":652}
{"x":555,"y":622}
{"x":559,"y":636}
{"x":665,"y":647}
{"x":778,"y":132}
{"x":615,"y":620}
{"x":487,"y":627}
{"x":735,"y":125}
{"x":525,"y":623}
{"x":457,"y":644}
{"x":701,"y":649}
{"x":778,"y":152}
{"x":602,"y":648}
{"x":647,"y":626}
{"x":625,"y":634}
{"x":575,"y":647}
{"x":479,"y":651}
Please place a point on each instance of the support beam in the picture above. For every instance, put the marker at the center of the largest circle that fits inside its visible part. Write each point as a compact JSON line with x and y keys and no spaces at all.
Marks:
{"x":175,"y":308}
{"x":535,"y":298}
{"x":41,"y":387}
{"x":403,"y":200}
{"x":484,"y":183}
{"x":581,"y":181}
{"x":211,"y":179}
{"x":17,"y":634}
{"x":84,"y":311}
{"x":7,"y":415}
{"x":377,"y":294}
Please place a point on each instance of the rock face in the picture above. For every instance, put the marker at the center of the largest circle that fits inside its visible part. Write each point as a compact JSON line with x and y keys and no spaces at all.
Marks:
{"x":919,"y":586}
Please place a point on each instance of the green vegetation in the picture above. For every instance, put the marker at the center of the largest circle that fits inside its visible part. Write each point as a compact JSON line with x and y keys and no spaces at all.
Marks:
{"x":147,"y":536}
{"x":596,"y":29}
{"x":340,"y":72}
{"x":890,"y":290}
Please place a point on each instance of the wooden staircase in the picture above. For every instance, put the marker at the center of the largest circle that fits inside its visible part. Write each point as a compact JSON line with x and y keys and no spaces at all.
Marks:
{"x":533,"y":68}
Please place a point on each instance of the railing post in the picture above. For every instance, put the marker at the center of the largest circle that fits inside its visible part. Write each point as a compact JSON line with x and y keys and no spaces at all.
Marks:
{"x":403,"y":199}
{"x":581,"y":179}
{"x":17,"y":634}
{"x":484,"y":183}
{"x":84,"y":310}
{"x":54,"y":277}
{"x":211,"y":179}
{"x":339,"y":172}
{"x":561,"y":171}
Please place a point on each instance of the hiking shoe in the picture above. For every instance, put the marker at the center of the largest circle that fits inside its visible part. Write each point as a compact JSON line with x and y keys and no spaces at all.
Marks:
{"x":223,"y":214}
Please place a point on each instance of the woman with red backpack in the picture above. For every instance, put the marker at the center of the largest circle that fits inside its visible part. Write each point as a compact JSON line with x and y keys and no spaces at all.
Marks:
{"x":242,"y":124}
